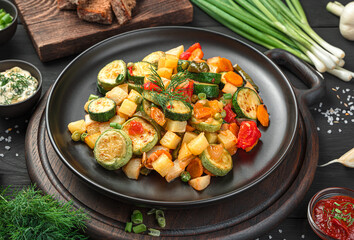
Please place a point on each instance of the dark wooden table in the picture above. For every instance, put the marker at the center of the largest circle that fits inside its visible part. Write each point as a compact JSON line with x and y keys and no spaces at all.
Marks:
{"x":335,"y":139}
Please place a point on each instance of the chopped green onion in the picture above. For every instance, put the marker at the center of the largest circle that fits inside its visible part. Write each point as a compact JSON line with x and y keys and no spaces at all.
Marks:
{"x":337,"y":204}
{"x":76,"y":136}
{"x":152,"y":211}
{"x":154,"y":232}
{"x":223,"y":114}
{"x":337,"y":210}
{"x":185,"y":176}
{"x":201,"y":96}
{"x":139,"y":228}
{"x":160,"y":217}
{"x":115,"y":125}
{"x":83,"y":136}
{"x":92,"y":97}
{"x":6,"y":19}
{"x":128,"y":227}
{"x":227,"y":96}
{"x":137,"y":217}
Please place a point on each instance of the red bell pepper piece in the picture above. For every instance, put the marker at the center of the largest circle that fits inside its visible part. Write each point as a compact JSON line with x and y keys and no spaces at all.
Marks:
{"x":248,"y":134}
{"x":186,"y":89}
{"x":185,"y":55}
{"x":130,"y":69}
{"x":230,"y":115}
{"x":151,"y":87}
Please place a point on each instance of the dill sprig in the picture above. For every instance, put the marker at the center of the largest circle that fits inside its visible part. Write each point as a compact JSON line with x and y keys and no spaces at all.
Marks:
{"x":171,"y":92}
{"x":28,"y":214}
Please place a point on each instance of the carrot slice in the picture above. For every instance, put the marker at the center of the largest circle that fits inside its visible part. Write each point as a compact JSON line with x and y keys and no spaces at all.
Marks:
{"x":262,"y":115}
{"x":158,"y":116}
{"x":214,"y":104}
{"x":221,"y":64}
{"x":208,"y":173}
{"x":234,"y":78}
{"x":189,"y":128}
{"x":196,"y":54}
{"x":195,"y":168}
{"x":234,"y":128}
{"x":203,"y":112}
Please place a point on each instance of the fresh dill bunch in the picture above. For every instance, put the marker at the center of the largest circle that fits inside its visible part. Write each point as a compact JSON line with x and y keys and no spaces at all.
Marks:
{"x":28,"y":214}
{"x":171,"y":92}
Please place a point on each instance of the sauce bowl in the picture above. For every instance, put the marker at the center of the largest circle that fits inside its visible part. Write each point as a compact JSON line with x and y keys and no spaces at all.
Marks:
{"x":17,"y":109}
{"x":7,"y":33}
{"x":325,"y":194}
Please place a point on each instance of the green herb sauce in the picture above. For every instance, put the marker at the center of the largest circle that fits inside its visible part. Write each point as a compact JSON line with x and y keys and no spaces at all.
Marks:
{"x":16,"y":85}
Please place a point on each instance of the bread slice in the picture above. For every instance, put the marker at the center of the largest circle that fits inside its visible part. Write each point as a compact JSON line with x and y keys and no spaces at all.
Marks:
{"x":99,"y":11}
{"x":123,"y":10}
{"x":66,"y":5}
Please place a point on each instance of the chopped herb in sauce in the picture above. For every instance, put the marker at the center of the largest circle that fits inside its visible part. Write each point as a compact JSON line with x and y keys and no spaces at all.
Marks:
{"x":16,"y":85}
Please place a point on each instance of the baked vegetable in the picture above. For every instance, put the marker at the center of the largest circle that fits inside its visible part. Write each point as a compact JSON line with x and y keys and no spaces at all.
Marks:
{"x":142,"y":134}
{"x":137,"y":71}
{"x":212,"y":126}
{"x":154,"y":57}
{"x":217,"y":160}
{"x":102,"y":109}
{"x":205,"y":77}
{"x":210,"y":90}
{"x":111,"y":75}
{"x":177,"y":110}
{"x":245,"y":102}
{"x":113,"y":149}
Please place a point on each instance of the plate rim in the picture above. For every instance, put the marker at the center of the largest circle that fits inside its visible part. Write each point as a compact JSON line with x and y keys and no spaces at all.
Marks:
{"x":174,"y":204}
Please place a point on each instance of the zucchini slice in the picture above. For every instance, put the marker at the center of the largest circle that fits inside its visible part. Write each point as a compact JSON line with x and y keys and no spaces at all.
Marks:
{"x":150,"y":96}
{"x":205,"y":77}
{"x":214,"y":126}
{"x":102,"y":109}
{"x":245,"y":76}
{"x":217,"y":167}
{"x":141,"y":142}
{"x":245,"y":102}
{"x":113,"y":149}
{"x":101,"y":90}
{"x":139,"y":71}
{"x":154,"y":57}
{"x":146,"y":107}
{"x":146,"y":117}
{"x":113,"y":74}
{"x":136,"y":87}
{"x":178,"y":111}
{"x":210,"y":90}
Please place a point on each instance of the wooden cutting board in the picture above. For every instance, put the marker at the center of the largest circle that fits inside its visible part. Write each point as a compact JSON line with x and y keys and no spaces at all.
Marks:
{"x":57,"y":34}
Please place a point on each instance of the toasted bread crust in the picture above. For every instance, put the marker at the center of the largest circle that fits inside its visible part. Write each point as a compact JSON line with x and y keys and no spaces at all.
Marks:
{"x":96,"y":11}
{"x":123,"y":10}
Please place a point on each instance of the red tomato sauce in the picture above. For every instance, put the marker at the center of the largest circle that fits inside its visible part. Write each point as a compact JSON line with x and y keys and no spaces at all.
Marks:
{"x":136,"y":128}
{"x":335,"y":217}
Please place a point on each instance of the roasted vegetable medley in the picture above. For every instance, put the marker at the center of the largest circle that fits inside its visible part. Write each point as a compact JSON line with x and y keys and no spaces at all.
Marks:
{"x":173,"y":112}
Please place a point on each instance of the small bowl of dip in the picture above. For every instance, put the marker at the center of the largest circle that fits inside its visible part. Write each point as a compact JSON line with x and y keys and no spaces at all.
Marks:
{"x":20,"y":87}
{"x":330,"y":213}
{"x":8,"y":12}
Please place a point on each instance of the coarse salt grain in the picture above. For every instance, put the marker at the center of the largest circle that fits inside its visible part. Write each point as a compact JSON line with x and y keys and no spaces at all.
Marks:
{"x":7,"y":148}
{"x":16,"y":154}
{"x":280,"y":231}
{"x":2,"y":155}
{"x":270,"y":237}
{"x":329,"y":131}
{"x":339,"y":130}
{"x":318,"y":129}
{"x":302,"y":236}
{"x":16,"y":126}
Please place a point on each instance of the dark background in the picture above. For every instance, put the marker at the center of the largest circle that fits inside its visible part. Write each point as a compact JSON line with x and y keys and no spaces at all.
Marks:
{"x":335,"y":139}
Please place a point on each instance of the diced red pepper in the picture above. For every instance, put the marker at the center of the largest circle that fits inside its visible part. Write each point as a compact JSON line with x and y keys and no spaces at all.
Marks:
{"x":136,"y":128}
{"x":130,"y":69}
{"x":185,"y":55}
{"x":230,"y":115}
{"x":151,"y":87}
{"x":186,"y":89}
{"x":248,"y":134}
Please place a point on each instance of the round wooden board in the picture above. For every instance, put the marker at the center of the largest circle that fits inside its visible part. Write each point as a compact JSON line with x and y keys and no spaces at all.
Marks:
{"x":244,"y":216}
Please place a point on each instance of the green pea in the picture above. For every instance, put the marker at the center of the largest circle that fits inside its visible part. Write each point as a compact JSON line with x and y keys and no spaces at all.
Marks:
{"x":217,"y":116}
{"x":223,"y":114}
{"x":76,"y":136}
{"x":83,"y":136}
{"x":185,"y":65}
{"x":139,"y":228}
{"x":185,"y":176}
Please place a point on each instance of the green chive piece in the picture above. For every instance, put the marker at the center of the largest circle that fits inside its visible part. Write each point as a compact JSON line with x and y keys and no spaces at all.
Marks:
{"x":92,"y":97}
{"x":154,"y":232}
{"x":151,"y":211}
{"x":185,"y":176}
{"x":227,"y":96}
{"x":128,"y":227}
{"x":6,"y":19}
{"x":338,"y":211}
{"x":137,"y":217}
{"x":115,"y":125}
{"x":160,"y":217}
{"x":83,"y":136}
{"x":201,"y":96}
{"x":76,"y":136}
{"x":337,"y":204}
{"x":139,"y":228}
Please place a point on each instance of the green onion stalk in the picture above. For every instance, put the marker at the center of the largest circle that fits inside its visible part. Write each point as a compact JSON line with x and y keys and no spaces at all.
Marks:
{"x":275,"y":24}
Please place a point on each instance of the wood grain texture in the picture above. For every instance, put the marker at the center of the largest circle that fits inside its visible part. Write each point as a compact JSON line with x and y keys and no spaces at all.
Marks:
{"x":56,"y":33}
{"x":245,"y":216}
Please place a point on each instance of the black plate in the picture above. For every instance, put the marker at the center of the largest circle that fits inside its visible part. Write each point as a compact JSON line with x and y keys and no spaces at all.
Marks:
{"x":78,"y":81}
